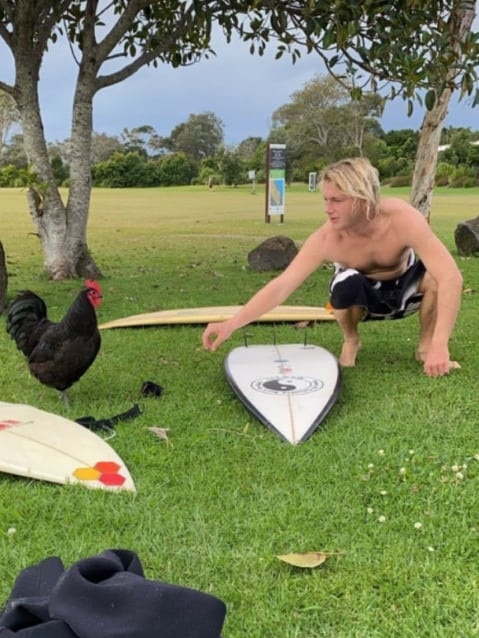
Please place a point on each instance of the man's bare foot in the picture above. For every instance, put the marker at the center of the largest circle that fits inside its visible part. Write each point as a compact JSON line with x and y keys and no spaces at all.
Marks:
{"x":347,"y":358}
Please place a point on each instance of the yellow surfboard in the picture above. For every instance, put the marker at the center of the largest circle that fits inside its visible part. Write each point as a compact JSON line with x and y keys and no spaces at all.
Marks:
{"x":218,"y":313}
{"x":40,"y":445}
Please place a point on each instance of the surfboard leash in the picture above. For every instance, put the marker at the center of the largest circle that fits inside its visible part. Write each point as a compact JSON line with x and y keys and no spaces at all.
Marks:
{"x":107,"y":424}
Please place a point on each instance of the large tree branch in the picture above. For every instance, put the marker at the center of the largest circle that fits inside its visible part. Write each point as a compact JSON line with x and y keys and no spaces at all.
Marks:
{"x":130,"y":69}
{"x":120,"y":28}
{"x":151,"y":50}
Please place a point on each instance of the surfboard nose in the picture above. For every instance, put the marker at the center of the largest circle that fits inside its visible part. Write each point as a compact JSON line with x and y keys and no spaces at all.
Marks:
{"x":289,"y":388}
{"x":48,"y":447}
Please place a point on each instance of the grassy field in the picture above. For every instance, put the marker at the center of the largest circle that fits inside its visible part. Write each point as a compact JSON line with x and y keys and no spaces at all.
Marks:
{"x":389,"y":485}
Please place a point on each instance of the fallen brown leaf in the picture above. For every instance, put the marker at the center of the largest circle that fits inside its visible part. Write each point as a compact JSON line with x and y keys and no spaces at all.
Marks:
{"x":305,"y":560}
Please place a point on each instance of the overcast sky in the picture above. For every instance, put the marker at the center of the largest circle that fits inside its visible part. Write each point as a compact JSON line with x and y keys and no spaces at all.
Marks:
{"x":242,"y":90}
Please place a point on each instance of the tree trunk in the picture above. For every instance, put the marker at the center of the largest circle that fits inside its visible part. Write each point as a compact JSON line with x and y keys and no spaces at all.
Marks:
{"x":61,"y":228}
{"x":80,"y":169}
{"x":426,"y":157}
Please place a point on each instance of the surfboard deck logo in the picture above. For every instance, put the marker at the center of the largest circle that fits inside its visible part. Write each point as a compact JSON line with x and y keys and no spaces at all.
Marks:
{"x":45,"y":446}
{"x":280,"y":385}
{"x":289,"y":388}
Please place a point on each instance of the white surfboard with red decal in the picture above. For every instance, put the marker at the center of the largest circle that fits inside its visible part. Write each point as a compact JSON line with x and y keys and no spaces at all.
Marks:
{"x":40,"y":445}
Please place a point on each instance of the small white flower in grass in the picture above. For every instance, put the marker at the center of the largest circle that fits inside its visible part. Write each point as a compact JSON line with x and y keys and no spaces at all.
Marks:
{"x":411,"y":452}
{"x":402,"y":470}
{"x":381,"y":452}
{"x":417,"y":525}
{"x":476,"y":456}
{"x":370,"y":466}
{"x":11,"y":531}
{"x":455,"y":468}
{"x":459,"y":476}
{"x":430,"y":549}
{"x":381,"y":519}
{"x":383,"y":493}
{"x":370,"y":510}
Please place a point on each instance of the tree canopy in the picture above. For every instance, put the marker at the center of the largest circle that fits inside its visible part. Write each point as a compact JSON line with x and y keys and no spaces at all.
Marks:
{"x":200,"y":136}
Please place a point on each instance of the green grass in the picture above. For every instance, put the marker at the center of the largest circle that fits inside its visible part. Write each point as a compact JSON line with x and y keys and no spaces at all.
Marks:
{"x":390,"y":482}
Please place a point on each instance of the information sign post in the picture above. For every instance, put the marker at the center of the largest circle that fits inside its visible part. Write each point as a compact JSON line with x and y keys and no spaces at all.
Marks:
{"x":275,"y":181}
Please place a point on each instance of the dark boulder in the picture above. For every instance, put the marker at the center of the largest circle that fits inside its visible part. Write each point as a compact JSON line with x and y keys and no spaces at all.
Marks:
{"x":274,"y":253}
{"x":466,"y":237}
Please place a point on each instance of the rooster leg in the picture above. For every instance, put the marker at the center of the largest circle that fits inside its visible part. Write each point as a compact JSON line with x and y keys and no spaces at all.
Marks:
{"x":65,"y":398}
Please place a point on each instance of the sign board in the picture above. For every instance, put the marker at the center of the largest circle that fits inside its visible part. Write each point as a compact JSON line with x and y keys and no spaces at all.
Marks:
{"x":275,"y":180}
{"x":312,"y":182}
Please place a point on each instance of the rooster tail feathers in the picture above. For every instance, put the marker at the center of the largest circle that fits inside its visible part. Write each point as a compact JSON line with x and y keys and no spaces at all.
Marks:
{"x":25,"y":312}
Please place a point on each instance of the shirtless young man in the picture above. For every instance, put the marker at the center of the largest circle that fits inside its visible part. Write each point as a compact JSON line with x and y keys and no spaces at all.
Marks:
{"x":373,"y":244}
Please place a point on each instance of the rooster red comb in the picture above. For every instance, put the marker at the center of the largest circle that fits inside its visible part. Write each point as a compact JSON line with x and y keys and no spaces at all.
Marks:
{"x":94,"y":285}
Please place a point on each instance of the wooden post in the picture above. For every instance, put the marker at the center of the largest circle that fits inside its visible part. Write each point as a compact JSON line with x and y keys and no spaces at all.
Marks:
{"x":3,"y":279}
{"x":267,"y":216}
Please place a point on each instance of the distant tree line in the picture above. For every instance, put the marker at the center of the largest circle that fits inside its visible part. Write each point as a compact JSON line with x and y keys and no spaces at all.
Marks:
{"x":320,"y":124}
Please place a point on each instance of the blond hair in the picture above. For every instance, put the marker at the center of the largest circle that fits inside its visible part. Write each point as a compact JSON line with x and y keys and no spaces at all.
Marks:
{"x":356,"y":177}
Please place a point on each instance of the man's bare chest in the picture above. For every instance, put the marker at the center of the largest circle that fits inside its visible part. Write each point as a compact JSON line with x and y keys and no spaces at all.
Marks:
{"x":382,"y":258}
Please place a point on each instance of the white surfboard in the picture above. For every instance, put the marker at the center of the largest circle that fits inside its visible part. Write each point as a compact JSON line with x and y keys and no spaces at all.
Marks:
{"x":290,"y":388}
{"x":218,"y":313}
{"x":48,"y":447}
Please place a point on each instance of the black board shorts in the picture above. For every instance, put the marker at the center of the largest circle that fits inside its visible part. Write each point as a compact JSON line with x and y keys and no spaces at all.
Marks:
{"x":392,"y":299}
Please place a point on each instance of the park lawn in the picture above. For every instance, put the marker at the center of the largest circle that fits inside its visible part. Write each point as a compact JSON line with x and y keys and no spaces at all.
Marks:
{"x":388,"y":485}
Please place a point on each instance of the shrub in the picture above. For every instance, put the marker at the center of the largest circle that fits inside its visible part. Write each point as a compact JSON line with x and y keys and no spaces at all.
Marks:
{"x":441,"y":180}
{"x":463,"y":181}
{"x":400,"y":180}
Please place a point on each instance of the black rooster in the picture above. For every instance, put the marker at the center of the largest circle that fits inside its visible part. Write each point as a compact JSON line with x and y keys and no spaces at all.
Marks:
{"x":58,"y":354}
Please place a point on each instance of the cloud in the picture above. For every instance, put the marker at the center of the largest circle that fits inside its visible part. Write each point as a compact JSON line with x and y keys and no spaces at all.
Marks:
{"x":241,"y":89}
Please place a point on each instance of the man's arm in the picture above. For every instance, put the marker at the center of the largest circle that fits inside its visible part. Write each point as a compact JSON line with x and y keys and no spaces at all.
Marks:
{"x":441,"y":266}
{"x":310,"y":257}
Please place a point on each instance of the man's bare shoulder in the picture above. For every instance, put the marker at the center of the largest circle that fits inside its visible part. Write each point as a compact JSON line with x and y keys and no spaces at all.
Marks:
{"x":318,"y":244}
{"x":400,"y":212}
{"x":320,"y":234}
{"x":396,"y":204}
